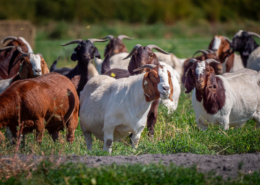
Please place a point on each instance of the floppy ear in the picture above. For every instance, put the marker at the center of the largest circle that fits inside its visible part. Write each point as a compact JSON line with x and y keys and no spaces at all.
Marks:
{"x":171,"y":86}
{"x":189,"y":81}
{"x":131,"y":67}
{"x":23,"y":71}
{"x":148,"y":88}
{"x":74,"y":57}
{"x":249,"y":46}
{"x":212,"y":82}
{"x":97,"y":55}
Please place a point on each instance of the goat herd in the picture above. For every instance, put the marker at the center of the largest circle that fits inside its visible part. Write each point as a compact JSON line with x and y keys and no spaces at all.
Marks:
{"x":117,"y":96}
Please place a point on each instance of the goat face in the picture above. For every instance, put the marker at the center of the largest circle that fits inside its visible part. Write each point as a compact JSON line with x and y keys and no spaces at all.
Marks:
{"x":144,"y":55}
{"x":199,"y":75}
{"x":84,"y":52}
{"x":157,"y":82}
{"x":32,"y":66}
{"x":220,"y":45}
{"x":115,"y":46}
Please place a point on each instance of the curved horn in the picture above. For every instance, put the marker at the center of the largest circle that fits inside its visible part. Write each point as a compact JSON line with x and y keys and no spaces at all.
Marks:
{"x":227,"y":39}
{"x":72,"y":42}
{"x":121,"y":37}
{"x":20,"y":50}
{"x":150,"y":66}
{"x":7,"y":47}
{"x":133,"y":50}
{"x":110,"y":37}
{"x":97,"y":40}
{"x":157,"y":48}
{"x":211,"y":60}
{"x":253,"y":34}
{"x":203,"y":51}
{"x":210,"y":51}
{"x":192,"y":60}
{"x":8,"y":38}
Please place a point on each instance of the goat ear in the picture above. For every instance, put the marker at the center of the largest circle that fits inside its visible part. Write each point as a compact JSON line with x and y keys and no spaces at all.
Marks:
{"x":97,"y":55}
{"x":212,"y":82}
{"x":131,"y":67}
{"x":148,"y":88}
{"x":189,"y":81}
{"x":249,"y":46}
{"x":171,"y":86}
{"x":211,"y":43}
{"x":23,"y":72}
{"x":74,"y":56}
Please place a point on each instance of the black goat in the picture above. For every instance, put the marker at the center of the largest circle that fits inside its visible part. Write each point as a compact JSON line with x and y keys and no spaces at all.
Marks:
{"x":83,"y":53}
{"x":244,"y":43}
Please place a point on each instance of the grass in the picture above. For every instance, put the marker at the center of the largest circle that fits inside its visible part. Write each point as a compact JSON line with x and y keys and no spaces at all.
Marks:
{"x":174,"y":133}
{"x":71,"y":173}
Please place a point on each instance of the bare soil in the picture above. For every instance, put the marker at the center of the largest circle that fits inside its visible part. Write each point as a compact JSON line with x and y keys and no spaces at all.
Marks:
{"x":224,"y":165}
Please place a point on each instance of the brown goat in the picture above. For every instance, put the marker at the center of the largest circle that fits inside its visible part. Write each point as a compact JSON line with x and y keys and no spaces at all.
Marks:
{"x":115,"y":45}
{"x":51,"y":98}
{"x":11,"y":54}
{"x":205,"y":55}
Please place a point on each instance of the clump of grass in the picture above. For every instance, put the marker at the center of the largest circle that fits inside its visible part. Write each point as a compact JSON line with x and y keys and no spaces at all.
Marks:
{"x":49,"y":173}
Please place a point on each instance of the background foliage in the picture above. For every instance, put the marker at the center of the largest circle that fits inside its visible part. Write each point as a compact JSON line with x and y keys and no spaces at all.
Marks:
{"x":131,"y":11}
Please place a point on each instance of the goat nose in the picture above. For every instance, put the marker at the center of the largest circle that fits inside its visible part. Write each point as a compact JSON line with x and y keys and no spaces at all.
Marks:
{"x":38,"y":70}
{"x":199,"y":81}
{"x":166,"y":88}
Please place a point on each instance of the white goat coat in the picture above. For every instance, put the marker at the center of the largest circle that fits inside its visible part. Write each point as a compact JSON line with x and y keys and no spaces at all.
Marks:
{"x":242,"y":101}
{"x":171,"y":60}
{"x":110,"y":104}
{"x":237,"y":65}
{"x":4,"y":84}
{"x":116,"y":61}
{"x":253,"y":61}
{"x":175,"y":77}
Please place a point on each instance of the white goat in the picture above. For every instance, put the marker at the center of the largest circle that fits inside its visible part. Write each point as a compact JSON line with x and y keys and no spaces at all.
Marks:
{"x":116,"y":61}
{"x":229,"y":100}
{"x":172,"y":105}
{"x":112,"y":109}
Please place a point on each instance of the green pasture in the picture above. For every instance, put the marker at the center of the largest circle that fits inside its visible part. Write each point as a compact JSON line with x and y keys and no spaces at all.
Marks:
{"x":174,"y":133}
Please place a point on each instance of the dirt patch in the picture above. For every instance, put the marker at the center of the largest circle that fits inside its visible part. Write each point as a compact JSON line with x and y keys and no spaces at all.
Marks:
{"x":224,"y":165}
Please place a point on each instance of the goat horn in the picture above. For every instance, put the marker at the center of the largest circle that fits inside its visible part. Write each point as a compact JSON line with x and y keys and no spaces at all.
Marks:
{"x":203,"y":51}
{"x":133,"y":50}
{"x":20,"y":50}
{"x":253,"y":34}
{"x":8,"y":38}
{"x":192,"y":60}
{"x":7,"y":47}
{"x":210,"y":51}
{"x":211,"y":60}
{"x":121,"y":37}
{"x":72,"y":42}
{"x":150,"y":66}
{"x":110,"y":37}
{"x":157,"y":48}
{"x":97,"y":40}
{"x":227,"y":39}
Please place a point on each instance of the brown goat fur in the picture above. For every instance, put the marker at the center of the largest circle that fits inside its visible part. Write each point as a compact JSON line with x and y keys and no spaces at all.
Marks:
{"x":223,"y":52}
{"x":209,"y":88}
{"x":143,"y":55}
{"x":51,"y":98}
{"x":11,"y":54}
{"x":216,"y":66}
{"x":115,"y":46}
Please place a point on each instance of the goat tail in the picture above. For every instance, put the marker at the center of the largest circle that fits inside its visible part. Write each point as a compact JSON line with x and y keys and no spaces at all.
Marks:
{"x":53,"y":66}
{"x":71,"y":106}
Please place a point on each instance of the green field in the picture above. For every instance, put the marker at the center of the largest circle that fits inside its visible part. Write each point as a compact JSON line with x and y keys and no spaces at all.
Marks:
{"x":174,"y":133}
